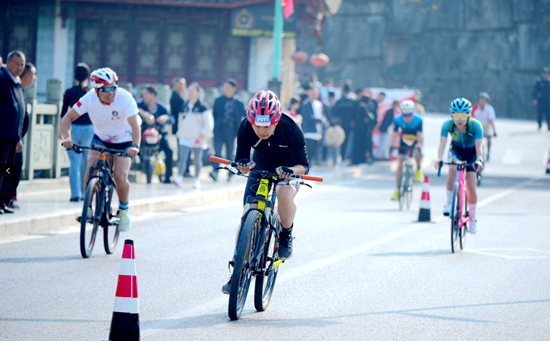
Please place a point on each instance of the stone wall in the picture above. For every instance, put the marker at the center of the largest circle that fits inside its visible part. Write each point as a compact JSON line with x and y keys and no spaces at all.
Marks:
{"x":444,"y":48}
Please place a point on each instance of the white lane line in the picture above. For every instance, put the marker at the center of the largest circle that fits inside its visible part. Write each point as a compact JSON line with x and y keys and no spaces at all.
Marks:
{"x":15,"y":239}
{"x":486,"y":252}
{"x":512,"y":157}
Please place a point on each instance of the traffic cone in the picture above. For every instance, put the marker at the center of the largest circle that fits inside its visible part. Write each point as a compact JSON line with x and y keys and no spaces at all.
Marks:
{"x":424,"y":213}
{"x":548,"y":164}
{"x":125,"y":321}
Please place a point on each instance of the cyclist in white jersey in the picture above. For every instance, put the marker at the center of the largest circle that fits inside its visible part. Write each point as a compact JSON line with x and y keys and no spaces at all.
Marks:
{"x":113,"y":112}
{"x":485,"y":113}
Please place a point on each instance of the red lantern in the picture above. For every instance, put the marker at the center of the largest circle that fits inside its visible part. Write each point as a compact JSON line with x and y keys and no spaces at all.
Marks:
{"x":319,"y":60}
{"x":299,"y":57}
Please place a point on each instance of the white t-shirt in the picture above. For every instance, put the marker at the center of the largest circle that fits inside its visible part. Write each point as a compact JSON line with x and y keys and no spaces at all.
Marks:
{"x":483,"y":116}
{"x":110,"y":121}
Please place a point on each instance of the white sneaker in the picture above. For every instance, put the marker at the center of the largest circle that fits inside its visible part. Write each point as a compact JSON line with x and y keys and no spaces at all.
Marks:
{"x":124,"y":222}
{"x":447,"y":209}
{"x":473,"y":226}
{"x":197,"y":184}
{"x":178,"y":180}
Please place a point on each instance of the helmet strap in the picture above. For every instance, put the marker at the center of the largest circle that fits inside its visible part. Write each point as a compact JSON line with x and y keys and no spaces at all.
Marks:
{"x":97,"y":93}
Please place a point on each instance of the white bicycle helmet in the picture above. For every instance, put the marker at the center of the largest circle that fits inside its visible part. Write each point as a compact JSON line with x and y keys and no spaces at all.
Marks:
{"x":407,"y":107}
{"x":101,"y":77}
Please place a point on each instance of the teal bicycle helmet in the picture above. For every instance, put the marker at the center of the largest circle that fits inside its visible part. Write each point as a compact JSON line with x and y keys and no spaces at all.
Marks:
{"x":461,"y":105}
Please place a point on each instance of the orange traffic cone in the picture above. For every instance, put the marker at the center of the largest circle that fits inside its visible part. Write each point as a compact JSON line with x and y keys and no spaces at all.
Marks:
{"x":125,"y":321}
{"x":548,"y":164}
{"x":424,"y":213}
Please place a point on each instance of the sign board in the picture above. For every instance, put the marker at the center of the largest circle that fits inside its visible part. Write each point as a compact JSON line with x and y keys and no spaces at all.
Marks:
{"x":257,"y":21}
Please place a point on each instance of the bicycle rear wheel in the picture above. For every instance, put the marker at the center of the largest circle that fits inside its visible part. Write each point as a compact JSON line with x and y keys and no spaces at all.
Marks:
{"x":242,"y":272}
{"x":110,"y":231}
{"x":463,"y":228}
{"x":91,"y":216}
{"x":455,"y":220}
{"x":402,"y":186}
{"x":265,"y":283}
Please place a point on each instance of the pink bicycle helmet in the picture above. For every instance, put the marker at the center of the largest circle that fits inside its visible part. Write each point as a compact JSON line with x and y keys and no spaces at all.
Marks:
{"x":264,"y":109}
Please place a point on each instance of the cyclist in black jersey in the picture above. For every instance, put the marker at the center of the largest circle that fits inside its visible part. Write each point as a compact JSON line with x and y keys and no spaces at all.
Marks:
{"x":279,"y":146}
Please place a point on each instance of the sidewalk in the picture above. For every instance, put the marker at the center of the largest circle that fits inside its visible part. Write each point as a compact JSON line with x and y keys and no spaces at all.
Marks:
{"x":45,"y":206}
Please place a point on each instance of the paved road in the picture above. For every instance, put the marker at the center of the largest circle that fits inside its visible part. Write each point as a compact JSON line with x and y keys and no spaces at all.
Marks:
{"x":362,"y":269}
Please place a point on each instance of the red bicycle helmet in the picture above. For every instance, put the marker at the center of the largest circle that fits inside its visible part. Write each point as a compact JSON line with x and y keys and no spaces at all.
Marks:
{"x":264,"y":109}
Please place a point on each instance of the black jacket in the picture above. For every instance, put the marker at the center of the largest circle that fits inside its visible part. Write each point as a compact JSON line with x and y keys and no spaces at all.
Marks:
{"x":219,"y":114}
{"x":70,"y":98}
{"x":542,"y":93}
{"x":344,"y":110}
{"x":309,"y":122}
{"x":176,"y":102}
{"x":12,"y":107}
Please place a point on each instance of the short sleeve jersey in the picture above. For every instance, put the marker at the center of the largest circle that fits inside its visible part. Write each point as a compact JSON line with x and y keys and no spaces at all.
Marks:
{"x":483,"y":116}
{"x":408,"y":130}
{"x":286,"y":147}
{"x":110,"y":121}
{"x":467,"y":139}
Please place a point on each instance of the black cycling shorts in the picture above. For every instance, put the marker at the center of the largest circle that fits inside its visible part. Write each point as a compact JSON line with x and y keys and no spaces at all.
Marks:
{"x":404,"y":148}
{"x":123,"y":146}
{"x":464,"y":154}
{"x":254,"y":181}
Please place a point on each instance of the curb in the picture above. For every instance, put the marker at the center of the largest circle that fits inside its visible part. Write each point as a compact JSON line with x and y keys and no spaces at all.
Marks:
{"x":56,"y":221}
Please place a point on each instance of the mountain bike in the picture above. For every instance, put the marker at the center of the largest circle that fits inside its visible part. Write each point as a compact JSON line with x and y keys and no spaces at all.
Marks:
{"x":256,"y":254}
{"x":459,"y":214}
{"x":406,"y":183}
{"x":100,"y":203}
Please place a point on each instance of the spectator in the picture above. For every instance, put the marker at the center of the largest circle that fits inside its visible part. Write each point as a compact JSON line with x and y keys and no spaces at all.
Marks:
{"x":13,"y":108}
{"x":383,"y":145}
{"x":343,"y":109}
{"x":363,"y":118}
{"x":148,"y":107}
{"x":179,"y":87}
{"x":195,"y":124}
{"x":541,"y":97}
{"x":295,"y":103}
{"x":82,"y":131}
{"x":334,"y":137}
{"x":228,"y":113}
{"x":331,"y":99}
{"x":418,"y":108}
{"x":326,"y":89}
{"x":27,"y":79}
{"x":312,"y":122}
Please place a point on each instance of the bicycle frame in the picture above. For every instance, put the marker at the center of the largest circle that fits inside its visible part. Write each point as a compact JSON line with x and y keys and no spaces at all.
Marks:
{"x":462,"y":192}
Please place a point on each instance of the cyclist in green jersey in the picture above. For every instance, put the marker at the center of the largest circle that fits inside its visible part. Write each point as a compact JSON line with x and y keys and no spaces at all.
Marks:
{"x":466,"y":145}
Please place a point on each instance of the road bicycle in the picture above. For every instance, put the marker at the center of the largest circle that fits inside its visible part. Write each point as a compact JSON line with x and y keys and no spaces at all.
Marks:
{"x":406,"y":183}
{"x":100,"y":203}
{"x":459,"y":214}
{"x":256,"y":253}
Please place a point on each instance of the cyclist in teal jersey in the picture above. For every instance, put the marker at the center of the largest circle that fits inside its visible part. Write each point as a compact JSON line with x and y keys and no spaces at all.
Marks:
{"x":466,"y":145}
{"x":410,"y":124}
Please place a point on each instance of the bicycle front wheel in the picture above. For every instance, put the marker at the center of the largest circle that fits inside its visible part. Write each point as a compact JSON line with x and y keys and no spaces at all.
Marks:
{"x":91,"y":216}
{"x":402,"y":186}
{"x":455,"y":220}
{"x":111,"y":231}
{"x":463,"y":228}
{"x":242,"y":272}
{"x":409,"y":186}
{"x":265,"y":283}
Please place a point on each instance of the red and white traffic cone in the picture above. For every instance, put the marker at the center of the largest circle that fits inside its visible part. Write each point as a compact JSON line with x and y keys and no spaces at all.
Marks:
{"x":125,"y":321}
{"x":424,"y":214}
{"x":548,"y":164}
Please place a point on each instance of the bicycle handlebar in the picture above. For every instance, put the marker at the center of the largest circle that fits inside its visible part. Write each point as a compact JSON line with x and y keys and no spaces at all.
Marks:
{"x":78,"y":149}
{"x":231,"y":163}
{"x":454,"y":163}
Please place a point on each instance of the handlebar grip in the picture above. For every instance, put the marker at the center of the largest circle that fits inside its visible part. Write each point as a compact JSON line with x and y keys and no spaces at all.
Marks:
{"x":219,"y":160}
{"x":439,"y":171}
{"x":312,"y":178}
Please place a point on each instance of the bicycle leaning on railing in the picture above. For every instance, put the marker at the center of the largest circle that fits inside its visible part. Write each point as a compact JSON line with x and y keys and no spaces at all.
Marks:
{"x":459,"y":214}
{"x":258,"y":241}
{"x":100,"y":202}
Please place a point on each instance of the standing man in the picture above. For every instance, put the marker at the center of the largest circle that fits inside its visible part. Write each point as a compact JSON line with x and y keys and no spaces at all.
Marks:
{"x":228,"y":113}
{"x":179,"y":87}
{"x":27,"y":78}
{"x":148,"y":107}
{"x":541,"y":97}
{"x":383,"y":145}
{"x":12,"y":115}
{"x":344,"y":110}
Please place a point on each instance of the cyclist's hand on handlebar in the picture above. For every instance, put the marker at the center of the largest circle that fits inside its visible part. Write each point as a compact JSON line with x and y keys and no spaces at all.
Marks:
{"x":245,"y":165}
{"x":68,"y":143}
{"x":438,"y":164}
{"x":132,"y":151}
{"x":284,"y":172}
{"x":478,"y":166}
